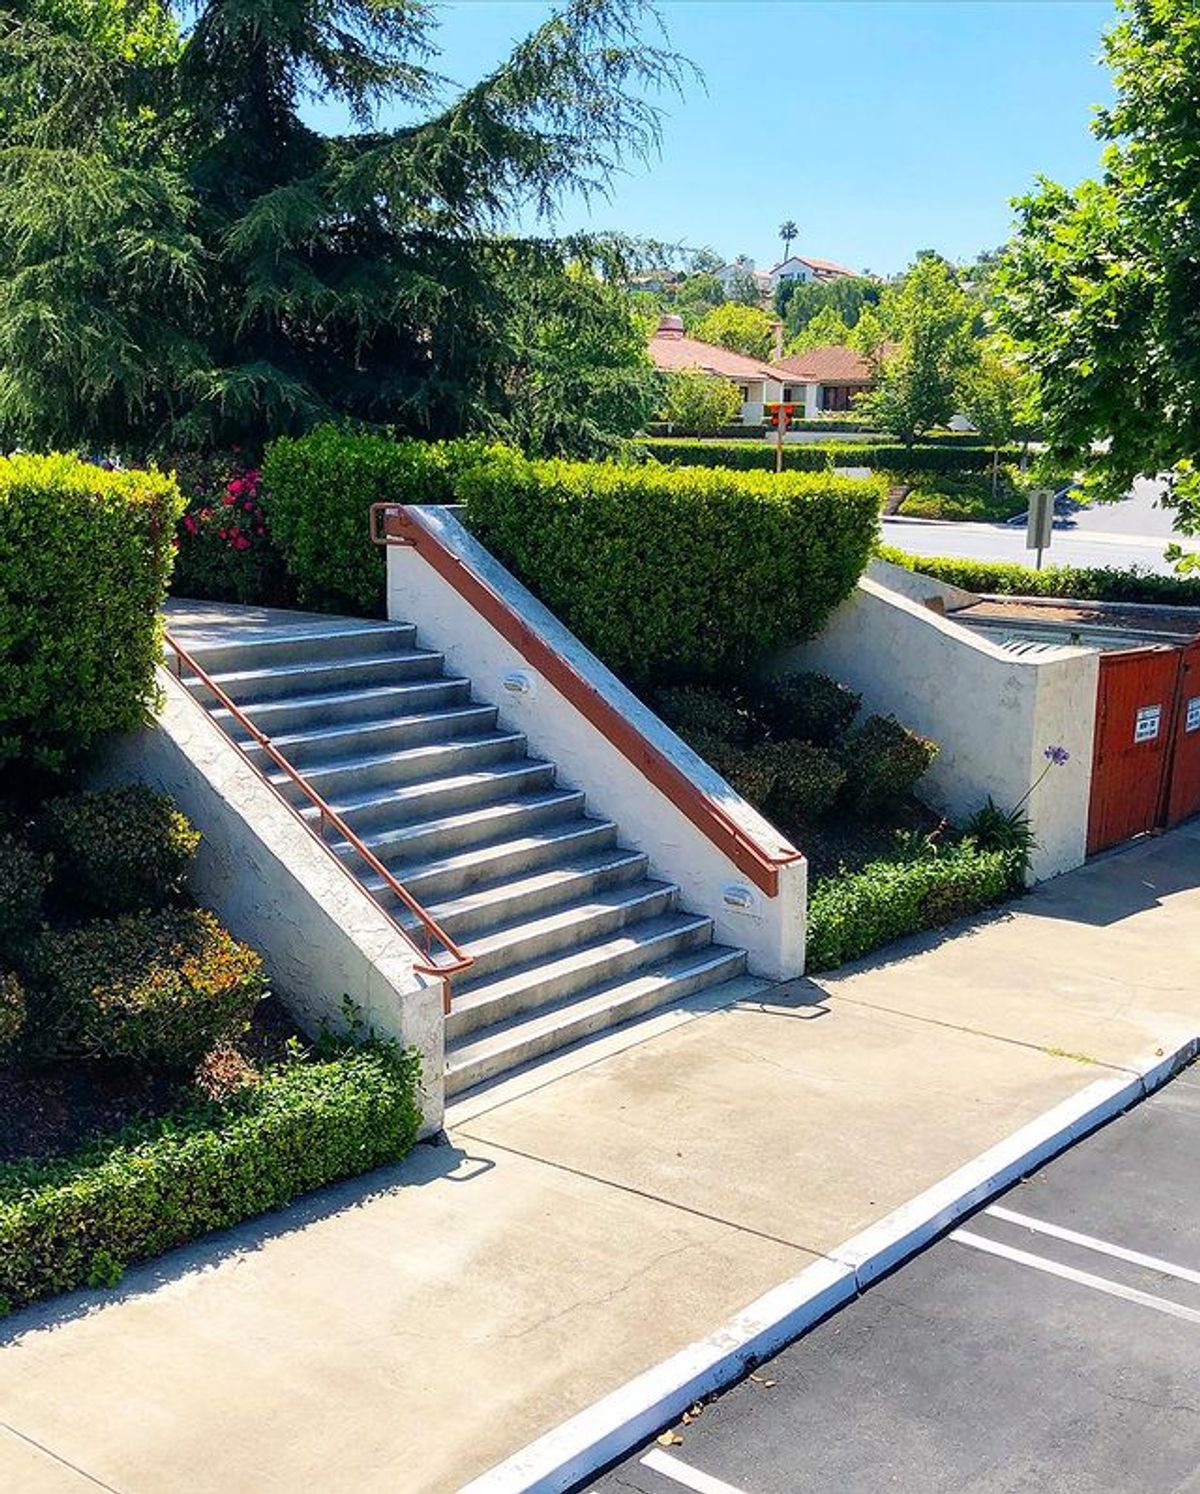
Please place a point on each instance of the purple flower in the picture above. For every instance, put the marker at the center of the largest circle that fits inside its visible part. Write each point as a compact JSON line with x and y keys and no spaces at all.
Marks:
{"x":1057,"y":755}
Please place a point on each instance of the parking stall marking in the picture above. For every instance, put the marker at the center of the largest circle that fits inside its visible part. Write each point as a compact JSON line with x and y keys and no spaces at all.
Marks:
{"x":681,"y":1473}
{"x":1090,"y":1242}
{"x":1081,"y":1278}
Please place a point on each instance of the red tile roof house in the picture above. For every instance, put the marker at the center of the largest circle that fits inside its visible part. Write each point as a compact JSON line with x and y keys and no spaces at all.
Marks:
{"x":806,"y":268}
{"x":759,"y":382}
{"x":827,"y":380}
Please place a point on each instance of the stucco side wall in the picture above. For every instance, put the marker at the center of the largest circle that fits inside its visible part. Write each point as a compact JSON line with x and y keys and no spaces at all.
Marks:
{"x":992,"y":712}
{"x":770,"y":929}
{"x":271,"y":884}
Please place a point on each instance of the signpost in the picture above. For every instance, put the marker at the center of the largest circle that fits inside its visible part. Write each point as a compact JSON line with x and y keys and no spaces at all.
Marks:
{"x":782,"y":415}
{"x":1040,"y":528}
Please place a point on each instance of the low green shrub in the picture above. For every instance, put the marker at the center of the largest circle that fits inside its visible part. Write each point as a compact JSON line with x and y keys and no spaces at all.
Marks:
{"x":85,"y":557}
{"x":723,"y":433}
{"x":703,"y":711}
{"x":884,"y":760}
{"x":805,"y":781}
{"x":81,"y":1220}
{"x":855,"y":912}
{"x":1081,"y":583}
{"x":160,"y":988}
{"x":816,"y":456}
{"x":967,"y":498}
{"x":24,"y":878}
{"x":12,"y":1010}
{"x":744,"y":769}
{"x":675,"y":575}
{"x":319,"y":489}
{"x":119,"y":849}
{"x":805,"y":705}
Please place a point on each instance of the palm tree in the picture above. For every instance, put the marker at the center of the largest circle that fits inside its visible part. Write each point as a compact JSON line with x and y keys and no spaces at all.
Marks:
{"x":787,"y":232}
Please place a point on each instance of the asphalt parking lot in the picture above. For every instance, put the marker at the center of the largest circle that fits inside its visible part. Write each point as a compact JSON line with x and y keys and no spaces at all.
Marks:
{"x":1050,"y":1343}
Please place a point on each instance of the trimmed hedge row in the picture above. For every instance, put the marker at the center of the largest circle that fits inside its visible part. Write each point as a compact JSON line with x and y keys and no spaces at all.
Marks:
{"x":853,"y":913}
{"x":319,"y":489}
{"x":1080,"y":583}
{"x":675,"y":574}
{"x":86,"y":556}
{"x":79,"y":1221}
{"x":817,"y":456}
{"x":722,"y":433}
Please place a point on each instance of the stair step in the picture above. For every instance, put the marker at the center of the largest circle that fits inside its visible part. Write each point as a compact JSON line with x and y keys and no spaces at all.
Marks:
{"x":258,"y":651}
{"x":400,"y":804}
{"x":328,"y":745}
{"x":299,"y":679}
{"x":350,"y":705}
{"x":512,"y":992}
{"x":426,"y":762}
{"x":502,"y":903}
{"x":425,"y":839}
{"x":535,"y":940}
{"x":489,"y":864}
{"x":483,"y":1054}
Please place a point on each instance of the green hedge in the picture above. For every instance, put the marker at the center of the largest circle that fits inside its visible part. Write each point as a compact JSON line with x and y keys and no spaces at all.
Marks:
{"x":675,"y":574}
{"x":318,"y":491}
{"x":79,"y":1221}
{"x":85,"y":557}
{"x":816,"y":456}
{"x":1082,"y":583}
{"x":853,"y":913}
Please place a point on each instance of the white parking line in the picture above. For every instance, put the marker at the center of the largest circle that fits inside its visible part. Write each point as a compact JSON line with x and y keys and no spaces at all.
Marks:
{"x":1082,"y":1278}
{"x":1089,"y":1242}
{"x":690,"y":1478}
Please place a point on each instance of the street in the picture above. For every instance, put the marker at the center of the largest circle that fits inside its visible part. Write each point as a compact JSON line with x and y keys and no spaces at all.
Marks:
{"x":1048,"y":1343}
{"x":1133,"y":532}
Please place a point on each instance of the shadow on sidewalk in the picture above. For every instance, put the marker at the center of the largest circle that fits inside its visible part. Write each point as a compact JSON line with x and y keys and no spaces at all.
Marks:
{"x":1121,"y":883}
{"x":428,"y":1162}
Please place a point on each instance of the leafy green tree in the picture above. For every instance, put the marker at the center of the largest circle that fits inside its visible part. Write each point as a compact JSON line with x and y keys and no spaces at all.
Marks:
{"x":696,"y":296}
{"x":798,"y":301}
{"x":930,"y":319}
{"x":788,"y":233}
{"x":998,"y":396}
{"x":743,"y":329}
{"x":699,"y":402}
{"x":186,"y":262}
{"x":1101,"y":284}
{"x":826,"y":329}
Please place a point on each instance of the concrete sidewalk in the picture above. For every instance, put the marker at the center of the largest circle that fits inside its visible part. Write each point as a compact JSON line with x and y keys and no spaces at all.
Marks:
{"x":589,"y":1218}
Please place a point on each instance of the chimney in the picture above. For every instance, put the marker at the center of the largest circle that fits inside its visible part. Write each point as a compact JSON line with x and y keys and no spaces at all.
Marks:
{"x":670,"y":326}
{"x":777,"y":331}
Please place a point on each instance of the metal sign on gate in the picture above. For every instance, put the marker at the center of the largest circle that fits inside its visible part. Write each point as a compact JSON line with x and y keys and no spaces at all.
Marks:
{"x":1147,"y":723}
{"x":1192,"y":720}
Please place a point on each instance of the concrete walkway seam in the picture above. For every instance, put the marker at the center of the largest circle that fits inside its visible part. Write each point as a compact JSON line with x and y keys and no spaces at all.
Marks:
{"x":606,"y":1430}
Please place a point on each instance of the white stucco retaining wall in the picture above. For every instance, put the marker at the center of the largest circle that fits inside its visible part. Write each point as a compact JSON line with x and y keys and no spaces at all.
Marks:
{"x":993,"y":712}
{"x":770,"y":929}
{"x":264,"y":875}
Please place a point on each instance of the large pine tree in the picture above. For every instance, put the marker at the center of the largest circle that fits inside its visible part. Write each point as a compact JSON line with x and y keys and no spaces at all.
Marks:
{"x":188,"y":263}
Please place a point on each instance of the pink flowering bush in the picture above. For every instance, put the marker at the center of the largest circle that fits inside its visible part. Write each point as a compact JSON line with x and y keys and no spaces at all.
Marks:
{"x":224,"y":550}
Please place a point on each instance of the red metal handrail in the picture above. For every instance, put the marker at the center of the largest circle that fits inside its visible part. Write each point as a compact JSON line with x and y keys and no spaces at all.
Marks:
{"x":402,"y":525}
{"x":460,"y":960}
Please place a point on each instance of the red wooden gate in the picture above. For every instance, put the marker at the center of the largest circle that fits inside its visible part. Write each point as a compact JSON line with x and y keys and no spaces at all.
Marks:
{"x":1183,"y":797}
{"x":1135,"y":707}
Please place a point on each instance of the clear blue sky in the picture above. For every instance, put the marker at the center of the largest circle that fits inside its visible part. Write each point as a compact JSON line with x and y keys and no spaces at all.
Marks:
{"x":881,"y":126}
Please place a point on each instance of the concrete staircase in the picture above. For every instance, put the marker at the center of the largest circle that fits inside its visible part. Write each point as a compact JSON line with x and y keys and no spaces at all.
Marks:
{"x":568,"y":932}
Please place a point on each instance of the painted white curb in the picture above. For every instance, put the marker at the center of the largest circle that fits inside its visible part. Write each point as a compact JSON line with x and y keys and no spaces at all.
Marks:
{"x":610,"y":1427}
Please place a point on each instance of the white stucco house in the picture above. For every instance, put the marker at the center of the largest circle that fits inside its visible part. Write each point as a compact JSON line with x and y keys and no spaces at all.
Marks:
{"x":805,"y":268}
{"x":759,"y":382}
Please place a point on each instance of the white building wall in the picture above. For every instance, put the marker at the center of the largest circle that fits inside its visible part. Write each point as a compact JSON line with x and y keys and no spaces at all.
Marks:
{"x":992,"y":712}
